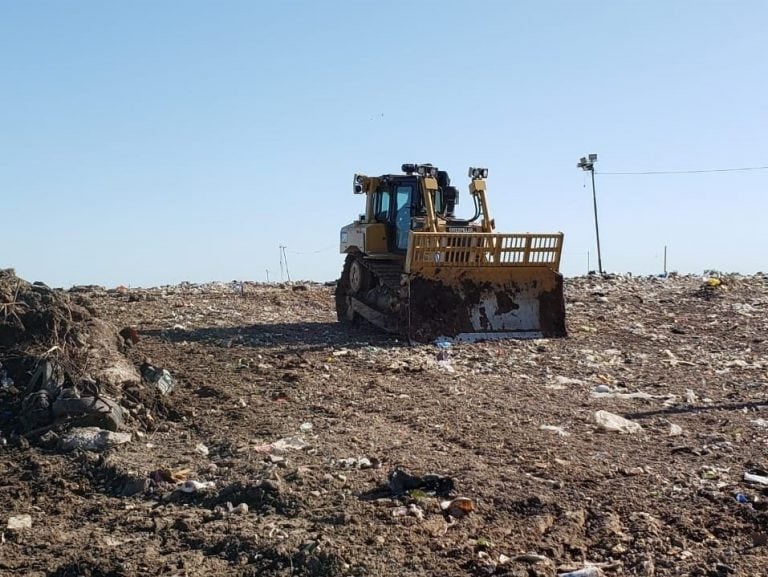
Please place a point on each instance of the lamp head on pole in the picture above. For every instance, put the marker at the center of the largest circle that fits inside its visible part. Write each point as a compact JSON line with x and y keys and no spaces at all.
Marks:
{"x":587,"y":162}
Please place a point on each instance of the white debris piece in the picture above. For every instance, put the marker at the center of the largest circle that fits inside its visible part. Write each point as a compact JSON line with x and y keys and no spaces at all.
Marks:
{"x":92,"y":439}
{"x":554,"y":428}
{"x":192,"y":486}
{"x":759,"y":479}
{"x":561,"y":380}
{"x":296,"y":443}
{"x":19,"y":522}
{"x":675,"y":430}
{"x":614,"y":423}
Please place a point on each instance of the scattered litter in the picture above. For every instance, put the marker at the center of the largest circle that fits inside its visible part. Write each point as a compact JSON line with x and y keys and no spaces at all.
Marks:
{"x":759,"y":479}
{"x":161,"y":378}
{"x":241,"y":509}
{"x":532,"y":558}
{"x":306,"y":427}
{"x":742,"y":499}
{"x":294,"y":443}
{"x":6,"y":382}
{"x":445,"y":365}
{"x":760,"y":422}
{"x":88,"y":411}
{"x":604,"y":391}
{"x":559,"y":430}
{"x":458,"y":507}
{"x":357,"y":463}
{"x":191,"y":486}
{"x":92,"y":439}
{"x":202,"y":449}
{"x":614,"y":423}
{"x":565,"y":381}
{"x":130,"y":335}
{"x":19,"y":522}
{"x":586,"y":572}
{"x":169,"y":476}
{"x":401,"y":482}
{"x":411,"y":510}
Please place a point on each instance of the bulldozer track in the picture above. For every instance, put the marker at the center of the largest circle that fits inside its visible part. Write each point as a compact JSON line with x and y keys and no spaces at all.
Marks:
{"x":389,"y":273}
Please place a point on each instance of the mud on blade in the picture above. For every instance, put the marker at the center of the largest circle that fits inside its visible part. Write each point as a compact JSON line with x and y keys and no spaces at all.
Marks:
{"x":485,"y":286}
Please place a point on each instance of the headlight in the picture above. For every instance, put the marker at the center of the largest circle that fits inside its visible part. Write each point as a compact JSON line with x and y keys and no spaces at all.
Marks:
{"x":475,"y":173}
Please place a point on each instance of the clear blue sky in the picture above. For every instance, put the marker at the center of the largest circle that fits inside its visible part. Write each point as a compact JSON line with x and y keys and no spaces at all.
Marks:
{"x":150,"y":142}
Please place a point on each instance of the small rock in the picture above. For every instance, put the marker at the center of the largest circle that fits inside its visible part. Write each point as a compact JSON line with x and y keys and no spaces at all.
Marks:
{"x":202,"y":449}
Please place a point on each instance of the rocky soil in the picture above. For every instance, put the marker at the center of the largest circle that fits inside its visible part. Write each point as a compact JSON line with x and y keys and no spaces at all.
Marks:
{"x":253,"y":435}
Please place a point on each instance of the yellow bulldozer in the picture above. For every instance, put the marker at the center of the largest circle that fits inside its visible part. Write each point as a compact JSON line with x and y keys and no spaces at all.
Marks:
{"x":415,"y":269}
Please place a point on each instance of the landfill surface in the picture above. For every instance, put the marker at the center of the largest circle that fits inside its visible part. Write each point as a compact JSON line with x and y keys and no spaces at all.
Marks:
{"x":237,"y":429}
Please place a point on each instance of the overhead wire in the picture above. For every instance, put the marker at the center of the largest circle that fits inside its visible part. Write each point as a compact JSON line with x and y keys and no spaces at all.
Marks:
{"x":706,"y":170}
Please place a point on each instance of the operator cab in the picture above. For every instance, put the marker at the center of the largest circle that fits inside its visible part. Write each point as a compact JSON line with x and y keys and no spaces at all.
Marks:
{"x":394,"y":203}
{"x":399,"y":202}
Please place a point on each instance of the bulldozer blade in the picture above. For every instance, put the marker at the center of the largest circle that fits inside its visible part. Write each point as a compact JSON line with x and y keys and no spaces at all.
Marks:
{"x":487,"y":304}
{"x":485,"y":286}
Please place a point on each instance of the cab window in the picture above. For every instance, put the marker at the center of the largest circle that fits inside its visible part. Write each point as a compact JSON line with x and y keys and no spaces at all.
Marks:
{"x":403,"y":198}
{"x":382,"y":207}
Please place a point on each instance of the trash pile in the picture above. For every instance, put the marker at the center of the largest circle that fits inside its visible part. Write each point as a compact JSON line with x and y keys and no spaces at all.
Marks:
{"x":61,"y":366}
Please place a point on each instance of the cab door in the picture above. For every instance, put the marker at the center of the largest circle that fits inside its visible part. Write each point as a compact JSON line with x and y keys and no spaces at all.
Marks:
{"x":403,"y":201}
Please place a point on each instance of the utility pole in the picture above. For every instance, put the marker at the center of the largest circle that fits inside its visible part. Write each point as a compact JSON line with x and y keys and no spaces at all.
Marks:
{"x":281,"y":263}
{"x":588,"y":164}
{"x":665,"y":260}
{"x":284,"y":259}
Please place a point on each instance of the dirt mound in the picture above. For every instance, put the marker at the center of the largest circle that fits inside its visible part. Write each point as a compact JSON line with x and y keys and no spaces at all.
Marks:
{"x":61,"y":365}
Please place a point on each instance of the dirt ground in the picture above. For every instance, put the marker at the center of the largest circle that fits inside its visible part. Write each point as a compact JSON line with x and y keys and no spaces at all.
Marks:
{"x":286,"y":427}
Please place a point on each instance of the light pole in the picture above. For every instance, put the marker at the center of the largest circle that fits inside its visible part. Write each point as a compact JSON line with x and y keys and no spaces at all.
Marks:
{"x":588,"y":163}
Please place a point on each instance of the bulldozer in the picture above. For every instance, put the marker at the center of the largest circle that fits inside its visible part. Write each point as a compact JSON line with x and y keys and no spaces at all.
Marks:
{"x":415,"y":269}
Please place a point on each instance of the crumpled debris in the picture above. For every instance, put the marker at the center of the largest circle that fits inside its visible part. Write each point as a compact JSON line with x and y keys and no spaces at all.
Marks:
{"x":358,"y":463}
{"x":295,"y":443}
{"x":160,"y":378}
{"x":411,"y":510}
{"x":401,"y":482}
